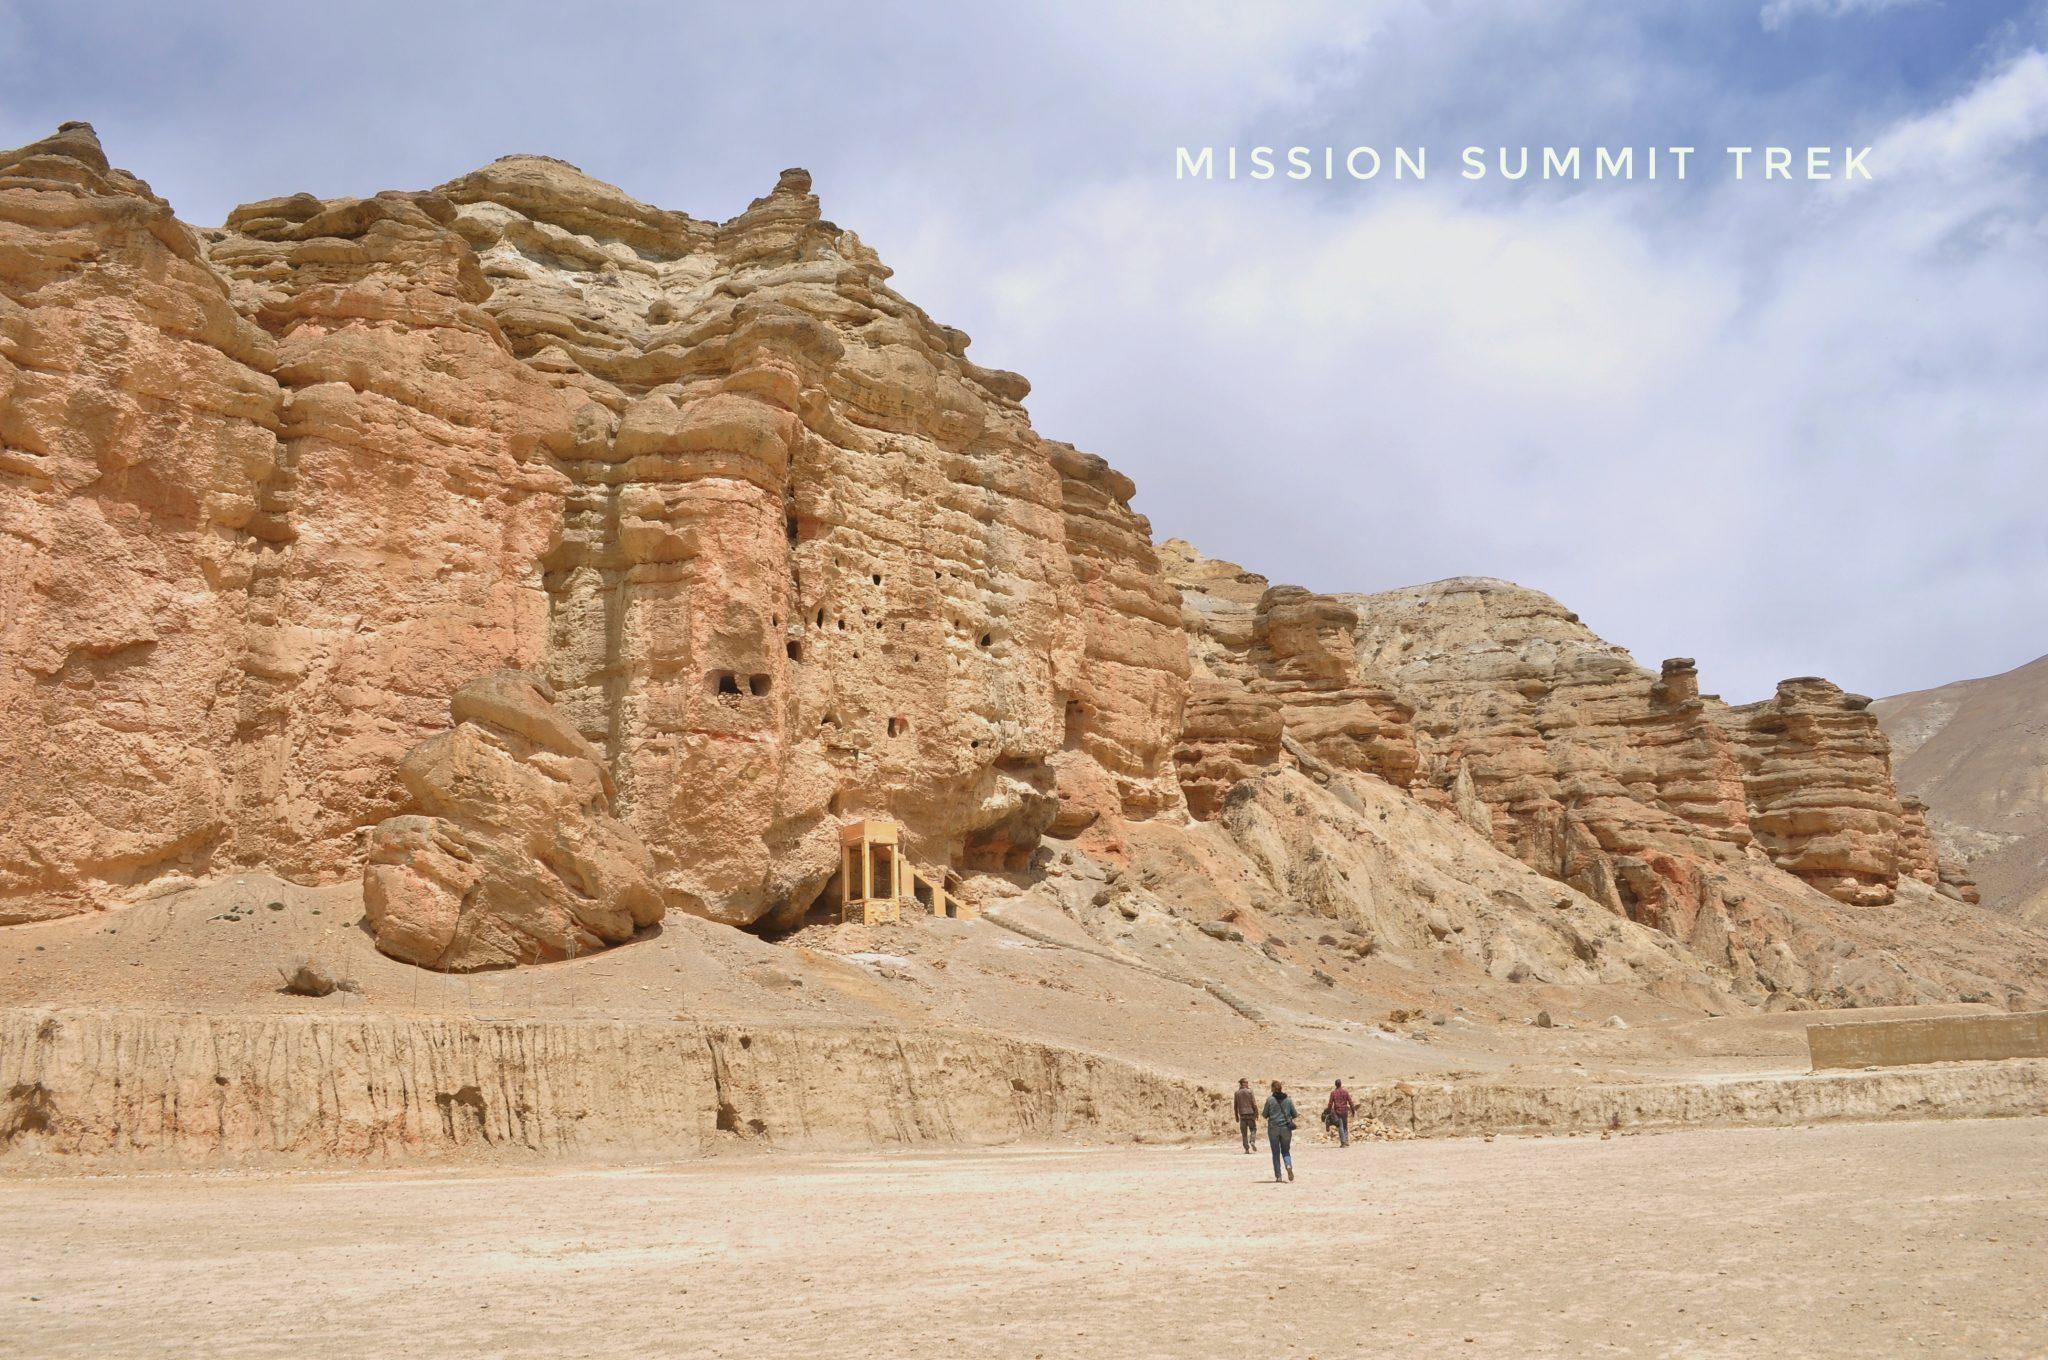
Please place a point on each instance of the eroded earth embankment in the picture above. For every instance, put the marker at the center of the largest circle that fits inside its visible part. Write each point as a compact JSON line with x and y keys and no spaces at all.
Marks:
{"x":128,"y":1086}
{"x":387,"y":1087}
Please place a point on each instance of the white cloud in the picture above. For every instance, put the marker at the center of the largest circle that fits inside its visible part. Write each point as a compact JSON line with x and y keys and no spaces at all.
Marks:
{"x":1778,"y":13}
{"x":2003,"y":113}
{"x":1782,"y":433}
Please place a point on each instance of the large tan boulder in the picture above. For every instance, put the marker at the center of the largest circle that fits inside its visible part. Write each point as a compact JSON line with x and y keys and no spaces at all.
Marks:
{"x":510,"y":852}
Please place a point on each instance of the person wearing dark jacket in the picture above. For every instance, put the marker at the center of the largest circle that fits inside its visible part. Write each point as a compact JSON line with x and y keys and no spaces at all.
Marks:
{"x":1280,"y":1117}
{"x":1247,"y":1113}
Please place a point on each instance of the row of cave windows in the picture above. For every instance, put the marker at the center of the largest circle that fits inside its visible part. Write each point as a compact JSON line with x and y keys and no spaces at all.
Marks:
{"x":985,"y":640}
{"x":733,"y":684}
{"x":794,"y":531}
{"x":728,"y":682}
{"x":759,"y":685}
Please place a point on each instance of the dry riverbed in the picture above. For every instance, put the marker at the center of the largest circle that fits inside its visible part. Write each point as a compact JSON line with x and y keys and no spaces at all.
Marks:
{"x":1849,"y":1240}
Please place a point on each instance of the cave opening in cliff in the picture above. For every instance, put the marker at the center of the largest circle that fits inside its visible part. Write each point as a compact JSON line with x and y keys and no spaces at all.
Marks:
{"x":795,"y":650}
{"x":759,"y":684}
{"x":725,"y":683}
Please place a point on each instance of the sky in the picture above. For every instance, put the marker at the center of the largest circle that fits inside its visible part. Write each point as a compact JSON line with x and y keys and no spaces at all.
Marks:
{"x":1784,"y":428}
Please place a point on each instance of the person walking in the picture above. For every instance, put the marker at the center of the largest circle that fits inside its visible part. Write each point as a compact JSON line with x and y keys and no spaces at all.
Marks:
{"x":1280,"y":1117}
{"x":1338,"y":1111}
{"x":1247,"y":1114}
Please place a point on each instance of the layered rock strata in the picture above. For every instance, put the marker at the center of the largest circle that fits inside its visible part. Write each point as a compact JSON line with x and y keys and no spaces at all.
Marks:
{"x":775,"y":554}
{"x":1634,"y":788}
{"x":815,"y":558}
{"x":1275,"y":661}
{"x":1816,"y":773}
{"x":785,"y":553}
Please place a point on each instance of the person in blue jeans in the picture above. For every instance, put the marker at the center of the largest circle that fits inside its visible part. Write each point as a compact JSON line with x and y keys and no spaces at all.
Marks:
{"x":1280,"y":1117}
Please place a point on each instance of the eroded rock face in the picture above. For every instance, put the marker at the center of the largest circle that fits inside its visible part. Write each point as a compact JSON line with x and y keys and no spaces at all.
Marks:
{"x":418,"y":490}
{"x":509,"y":851}
{"x":1632,"y":786}
{"x":1230,"y":735}
{"x":280,"y":487}
{"x":784,"y":556}
{"x":1659,"y":802}
{"x":1260,"y":649}
{"x":1918,"y":859}
{"x":814,"y":557}
{"x":139,"y":423}
{"x":1817,"y":776}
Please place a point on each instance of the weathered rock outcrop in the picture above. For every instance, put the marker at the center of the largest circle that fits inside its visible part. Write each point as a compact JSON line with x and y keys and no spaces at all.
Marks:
{"x":416,"y":494}
{"x":815,"y":558}
{"x":1229,"y":735}
{"x":1262,"y":649}
{"x":1629,"y":785}
{"x":278,"y":489}
{"x":509,"y":852}
{"x":139,"y":421}
{"x":1659,"y":802}
{"x":775,"y":554}
{"x":1816,"y":773}
{"x":1918,"y":859}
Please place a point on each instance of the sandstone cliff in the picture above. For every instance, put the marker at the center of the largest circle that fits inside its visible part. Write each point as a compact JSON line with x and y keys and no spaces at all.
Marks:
{"x":785,"y":553}
{"x":772,"y":552}
{"x":1722,"y":827}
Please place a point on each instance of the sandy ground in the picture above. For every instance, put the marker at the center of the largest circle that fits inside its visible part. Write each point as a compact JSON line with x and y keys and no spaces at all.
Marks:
{"x":1856,"y":1240}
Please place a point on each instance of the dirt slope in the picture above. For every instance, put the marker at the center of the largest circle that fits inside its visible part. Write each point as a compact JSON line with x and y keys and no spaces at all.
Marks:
{"x":1976,"y":752}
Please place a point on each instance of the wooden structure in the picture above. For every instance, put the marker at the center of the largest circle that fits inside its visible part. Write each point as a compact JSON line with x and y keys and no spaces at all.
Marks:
{"x":875,"y":880}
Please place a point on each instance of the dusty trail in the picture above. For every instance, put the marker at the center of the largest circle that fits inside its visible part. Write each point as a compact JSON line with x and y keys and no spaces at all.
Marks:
{"x":1900,"y":1239}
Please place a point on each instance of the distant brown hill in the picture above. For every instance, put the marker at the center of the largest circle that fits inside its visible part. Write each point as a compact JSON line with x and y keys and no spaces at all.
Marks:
{"x":1977,"y":752}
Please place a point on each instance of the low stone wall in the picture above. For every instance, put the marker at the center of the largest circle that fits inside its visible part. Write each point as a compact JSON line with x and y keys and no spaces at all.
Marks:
{"x":1930,"y":1039}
